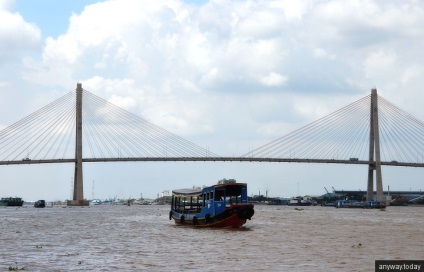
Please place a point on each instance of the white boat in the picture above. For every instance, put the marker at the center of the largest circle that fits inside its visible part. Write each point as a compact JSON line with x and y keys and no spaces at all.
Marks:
{"x":95,"y":202}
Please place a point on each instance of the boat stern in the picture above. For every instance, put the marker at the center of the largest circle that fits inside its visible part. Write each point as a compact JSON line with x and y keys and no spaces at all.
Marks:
{"x":245,"y":211}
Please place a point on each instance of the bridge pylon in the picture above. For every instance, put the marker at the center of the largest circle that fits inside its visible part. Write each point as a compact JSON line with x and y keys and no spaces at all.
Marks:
{"x":78,"y":197}
{"x":374,"y":152}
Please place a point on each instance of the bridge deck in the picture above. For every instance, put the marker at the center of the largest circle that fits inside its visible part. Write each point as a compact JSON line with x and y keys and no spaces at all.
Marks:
{"x":213,"y":159}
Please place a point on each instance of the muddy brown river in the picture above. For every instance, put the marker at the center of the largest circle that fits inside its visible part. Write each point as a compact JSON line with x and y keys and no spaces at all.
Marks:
{"x":142,"y":238}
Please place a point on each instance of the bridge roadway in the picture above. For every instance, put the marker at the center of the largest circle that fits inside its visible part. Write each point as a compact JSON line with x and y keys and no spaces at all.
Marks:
{"x":211,"y":159}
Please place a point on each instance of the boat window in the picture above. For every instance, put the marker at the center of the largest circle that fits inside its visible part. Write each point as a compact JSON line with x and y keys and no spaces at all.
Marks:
{"x":230,"y":200}
{"x":234,"y":195}
{"x":219,"y":195}
{"x":209,"y":196}
{"x":187,"y":204}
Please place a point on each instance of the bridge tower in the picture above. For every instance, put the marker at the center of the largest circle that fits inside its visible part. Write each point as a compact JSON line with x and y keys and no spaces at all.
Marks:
{"x":78,"y":197}
{"x":374,"y":151}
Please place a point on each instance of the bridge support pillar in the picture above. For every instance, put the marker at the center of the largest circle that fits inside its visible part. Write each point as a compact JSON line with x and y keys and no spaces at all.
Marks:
{"x":78,"y":197}
{"x":374,"y":151}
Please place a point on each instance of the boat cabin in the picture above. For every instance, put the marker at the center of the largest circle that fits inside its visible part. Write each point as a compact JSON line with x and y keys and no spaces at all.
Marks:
{"x":222,"y":205}
{"x":209,"y":200}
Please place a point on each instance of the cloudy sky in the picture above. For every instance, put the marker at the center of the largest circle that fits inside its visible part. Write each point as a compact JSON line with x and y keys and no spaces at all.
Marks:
{"x":227,"y":75}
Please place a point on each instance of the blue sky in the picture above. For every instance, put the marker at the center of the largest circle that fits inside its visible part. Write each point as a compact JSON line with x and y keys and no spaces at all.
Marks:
{"x":52,"y":17}
{"x":226,"y":75}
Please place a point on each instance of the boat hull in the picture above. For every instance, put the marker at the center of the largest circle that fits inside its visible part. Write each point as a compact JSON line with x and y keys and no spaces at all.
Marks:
{"x":233,"y":216}
{"x":300,"y":204}
{"x":361,"y":205}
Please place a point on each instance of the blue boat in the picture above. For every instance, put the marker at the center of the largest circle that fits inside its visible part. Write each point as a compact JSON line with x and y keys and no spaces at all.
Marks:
{"x":360,"y":205}
{"x":328,"y":204}
{"x":222,"y":205}
{"x":372,"y":204}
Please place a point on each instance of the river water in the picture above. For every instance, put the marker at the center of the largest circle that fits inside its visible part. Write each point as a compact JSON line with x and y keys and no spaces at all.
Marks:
{"x":142,"y":238}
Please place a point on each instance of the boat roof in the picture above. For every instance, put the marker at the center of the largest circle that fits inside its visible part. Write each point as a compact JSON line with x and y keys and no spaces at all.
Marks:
{"x":229,"y":184}
{"x":193,"y":191}
{"x":198,"y":191}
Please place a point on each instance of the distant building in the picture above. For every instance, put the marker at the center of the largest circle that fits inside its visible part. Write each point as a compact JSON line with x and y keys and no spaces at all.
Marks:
{"x":165,"y":193}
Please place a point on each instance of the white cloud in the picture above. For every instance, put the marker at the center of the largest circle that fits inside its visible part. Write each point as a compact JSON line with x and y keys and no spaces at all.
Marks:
{"x":123,"y":102}
{"x":7,"y":4}
{"x":411,"y":73}
{"x":230,"y":75}
{"x":321,"y":53}
{"x":16,"y":35}
{"x":174,"y":63}
{"x":380,"y":64}
{"x":293,"y":10}
{"x":273,"y":79}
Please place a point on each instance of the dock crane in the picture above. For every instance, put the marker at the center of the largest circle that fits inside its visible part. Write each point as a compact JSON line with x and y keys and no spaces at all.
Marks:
{"x":417,"y":198}
{"x":329,"y":196}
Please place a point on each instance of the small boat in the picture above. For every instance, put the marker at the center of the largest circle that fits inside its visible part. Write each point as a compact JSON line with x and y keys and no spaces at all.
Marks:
{"x":374,"y":205}
{"x":299,"y":201}
{"x":349,"y":204}
{"x":399,"y":201}
{"x":222,"y":205}
{"x":11,"y":202}
{"x":328,"y":204}
{"x":40,"y":204}
{"x":95,"y":202}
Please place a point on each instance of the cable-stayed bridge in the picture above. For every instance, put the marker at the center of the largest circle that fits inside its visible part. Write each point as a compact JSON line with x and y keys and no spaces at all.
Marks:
{"x":370,"y":131}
